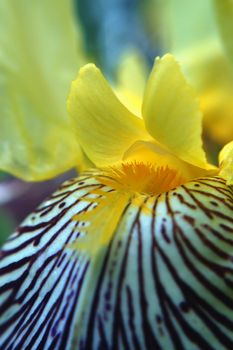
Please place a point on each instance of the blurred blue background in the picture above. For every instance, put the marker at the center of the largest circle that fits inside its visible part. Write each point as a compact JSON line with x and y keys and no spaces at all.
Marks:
{"x":112,"y":26}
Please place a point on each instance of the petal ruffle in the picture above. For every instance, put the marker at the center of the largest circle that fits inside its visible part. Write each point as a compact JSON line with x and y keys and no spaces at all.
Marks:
{"x":171,"y":112}
{"x":104,"y":127}
{"x":38,"y":59}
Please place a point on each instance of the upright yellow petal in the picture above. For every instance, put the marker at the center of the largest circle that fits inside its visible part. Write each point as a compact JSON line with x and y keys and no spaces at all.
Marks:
{"x":171,"y":112}
{"x":104,"y":127}
{"x":226,"y":163}
{"x":38,"y":58}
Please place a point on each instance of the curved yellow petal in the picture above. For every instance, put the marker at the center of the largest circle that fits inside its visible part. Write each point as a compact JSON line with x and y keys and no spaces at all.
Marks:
{"x":38,"y":58}
{"x":171,"y":112}
{"x":104,"y":127}
{"x":226,"y":163}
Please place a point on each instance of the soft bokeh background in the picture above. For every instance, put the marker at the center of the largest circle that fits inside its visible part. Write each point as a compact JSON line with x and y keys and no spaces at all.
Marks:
{"x":112,"y":28}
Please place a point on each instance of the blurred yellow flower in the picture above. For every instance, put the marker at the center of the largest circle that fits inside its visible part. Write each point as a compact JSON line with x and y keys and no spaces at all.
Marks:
{"x":40,"y":53}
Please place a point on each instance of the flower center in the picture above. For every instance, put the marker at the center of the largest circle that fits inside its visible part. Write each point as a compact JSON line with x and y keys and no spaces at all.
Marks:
{"x":129,"y":183}
{"x":141,"y":178}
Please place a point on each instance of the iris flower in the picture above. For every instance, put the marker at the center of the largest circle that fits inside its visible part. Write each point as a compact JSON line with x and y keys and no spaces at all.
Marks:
{"x":136,"y":252}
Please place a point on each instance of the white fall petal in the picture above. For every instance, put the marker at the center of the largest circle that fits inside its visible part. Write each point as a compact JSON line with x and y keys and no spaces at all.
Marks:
{"x":164,"y":281}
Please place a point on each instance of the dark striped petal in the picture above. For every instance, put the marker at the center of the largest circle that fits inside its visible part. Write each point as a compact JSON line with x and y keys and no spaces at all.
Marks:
{"x":165,"y":280}
{"x":41,"y":279}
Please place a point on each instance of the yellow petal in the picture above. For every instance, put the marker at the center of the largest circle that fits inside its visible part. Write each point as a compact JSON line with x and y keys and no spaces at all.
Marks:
{"x":226,"y":163}
{"x":109,"y":205}
{"x":171,"y":112}
{"x":104,"y":127}
{"x":38,"y":58}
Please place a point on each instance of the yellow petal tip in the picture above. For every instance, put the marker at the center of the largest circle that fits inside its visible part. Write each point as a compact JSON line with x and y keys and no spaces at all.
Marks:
{"x":226,"y":163}
{"x":167,"y":56}
{"x":87,"y":68}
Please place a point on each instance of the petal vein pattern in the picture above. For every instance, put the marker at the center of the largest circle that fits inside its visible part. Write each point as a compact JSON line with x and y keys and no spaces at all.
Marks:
{"x":163,"y":281}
